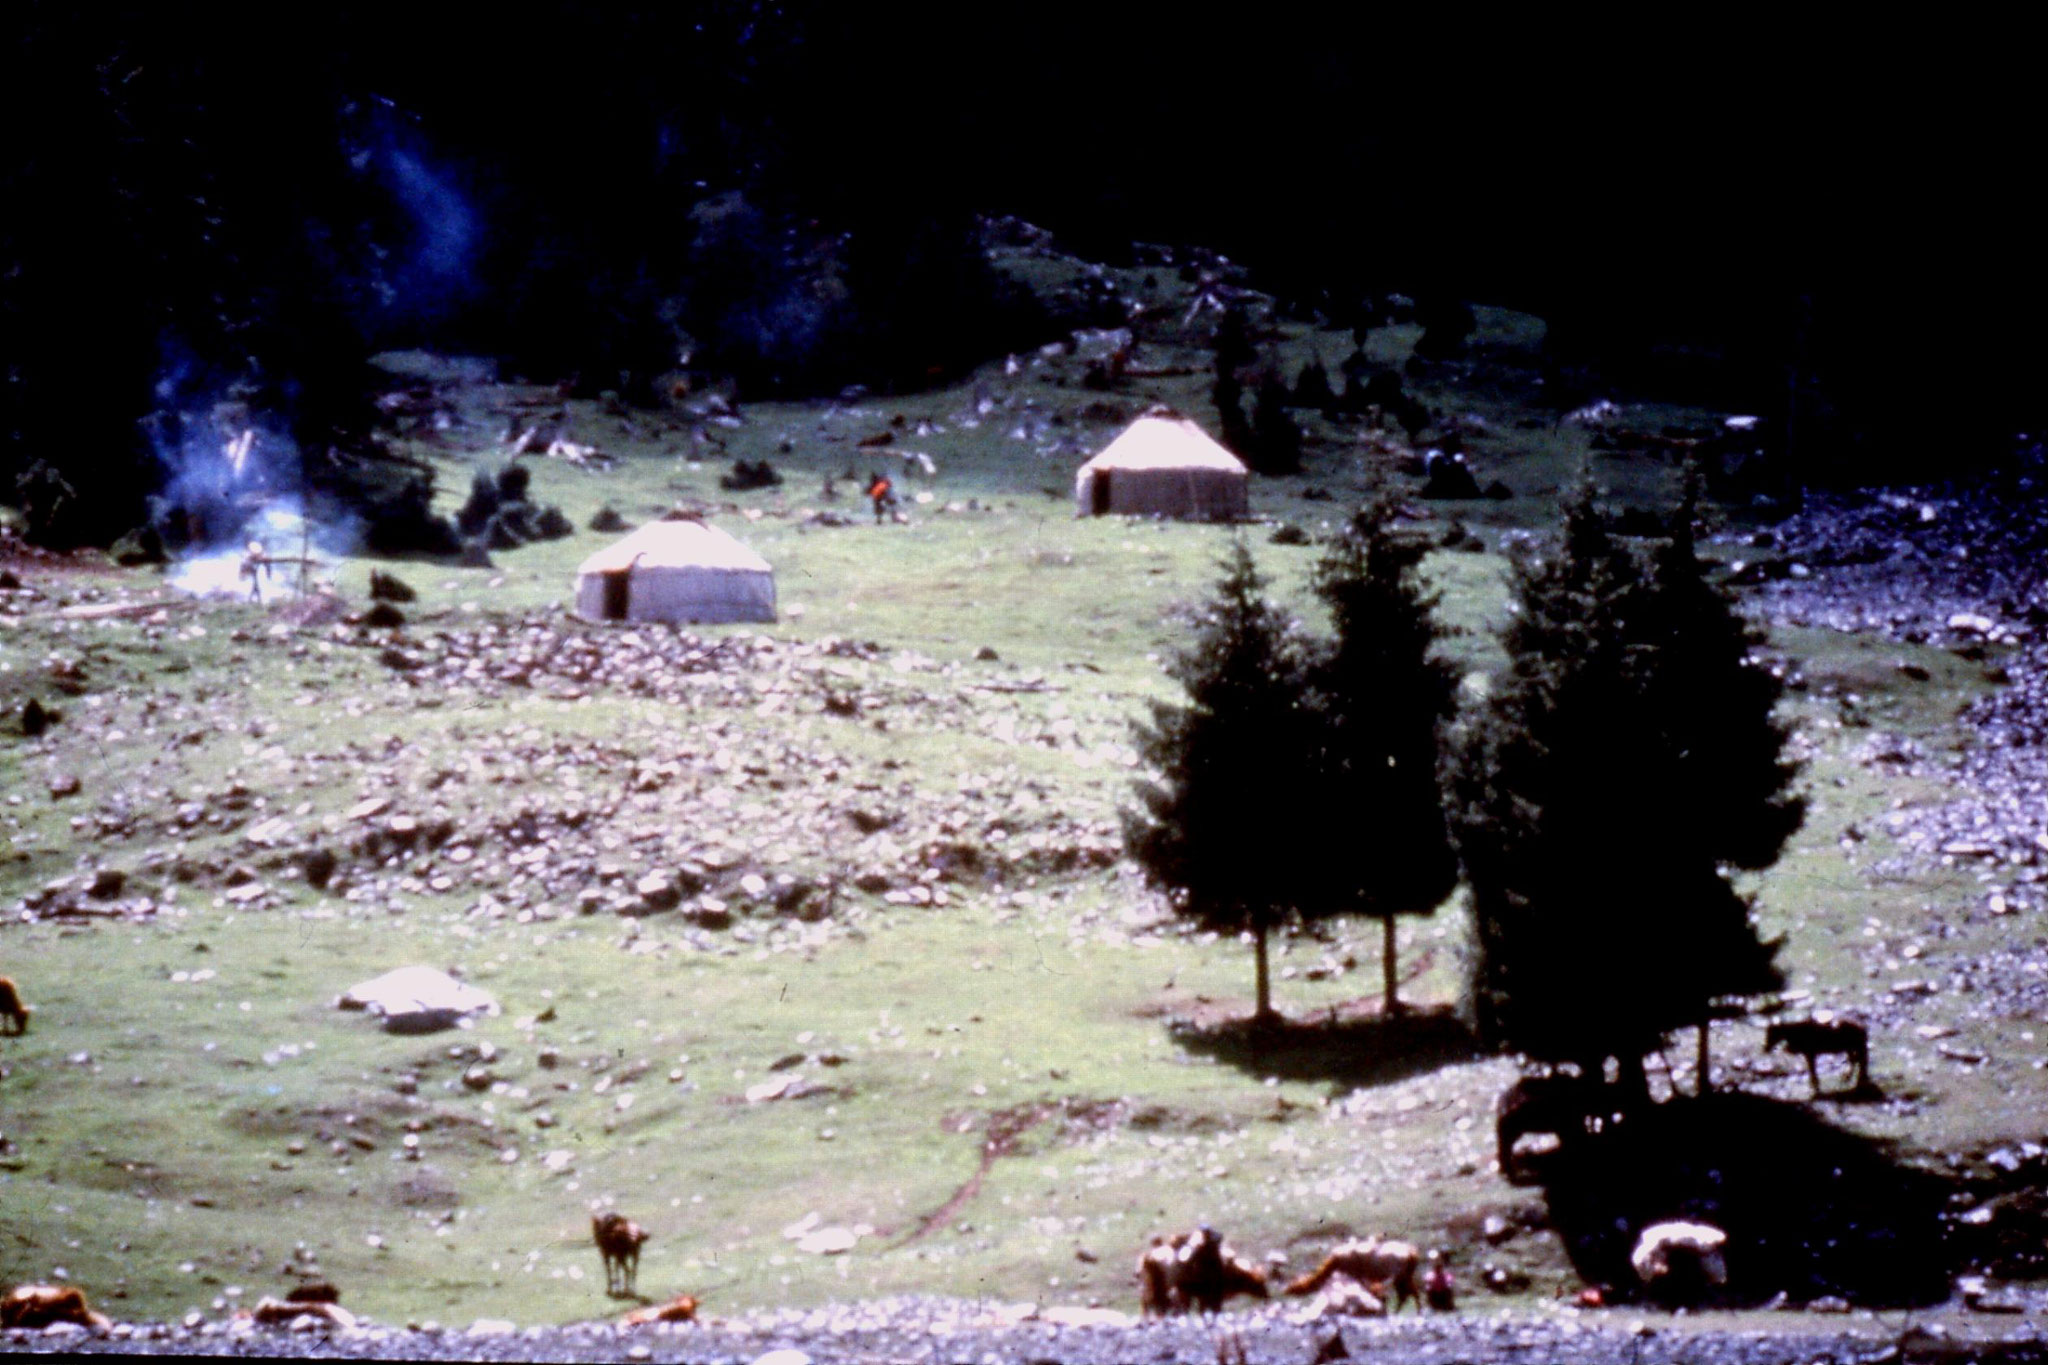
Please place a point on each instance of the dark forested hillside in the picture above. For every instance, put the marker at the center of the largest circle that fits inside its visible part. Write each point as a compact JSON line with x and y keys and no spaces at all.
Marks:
{"x":218,"y":207}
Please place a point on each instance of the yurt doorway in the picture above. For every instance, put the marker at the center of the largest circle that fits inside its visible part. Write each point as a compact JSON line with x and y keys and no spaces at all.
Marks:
{"x":1100,"y":493}
{"x":618,"y":592}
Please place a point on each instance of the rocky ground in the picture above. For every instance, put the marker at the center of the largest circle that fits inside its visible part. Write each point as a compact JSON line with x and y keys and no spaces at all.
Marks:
{"x":937,"y":1330}
{"x":1965,"y":567}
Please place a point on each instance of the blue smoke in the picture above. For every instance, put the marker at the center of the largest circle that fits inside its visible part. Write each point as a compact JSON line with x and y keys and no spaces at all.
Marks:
{"x":421,"y":265}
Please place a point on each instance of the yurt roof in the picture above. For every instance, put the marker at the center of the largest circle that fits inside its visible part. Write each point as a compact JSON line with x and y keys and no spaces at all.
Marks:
{"x":682,"y":544}
{"x":1165,"y":440}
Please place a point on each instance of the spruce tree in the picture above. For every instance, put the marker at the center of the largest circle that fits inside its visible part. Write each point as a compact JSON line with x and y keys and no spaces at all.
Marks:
{"x":1276,"y":440}
{"x":1622,"y":765}
{"x":1733,"y":787}
{"x":1232,"y":343}
{"x":1228,"y":395}
{"x":1312,"y":387}
{"x":1381,"y":694}
{"x":1217,"y":825}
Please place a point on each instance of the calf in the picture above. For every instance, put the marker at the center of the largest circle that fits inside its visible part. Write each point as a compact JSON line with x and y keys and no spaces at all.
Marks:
{"x":12,"y":1012}
{"x":1812,"y":1038}
{"x":618,"y":1240}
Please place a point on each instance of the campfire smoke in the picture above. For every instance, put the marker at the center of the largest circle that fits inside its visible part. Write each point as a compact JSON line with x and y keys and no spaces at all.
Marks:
{"x":233,"y":507}
{"x":283,"y":555}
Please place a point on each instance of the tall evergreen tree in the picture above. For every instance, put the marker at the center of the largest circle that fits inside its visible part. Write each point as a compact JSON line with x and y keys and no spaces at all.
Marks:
{"x":1734,"y":784}
{"x":1276,"y":439}
{"x":1217,"y":824}
{"x":1233,"y":340}
{"x":1228,"y":395}
{"x":1312,"y":387}
{"x":1381,"y":695}
{"x":1580,"y":795}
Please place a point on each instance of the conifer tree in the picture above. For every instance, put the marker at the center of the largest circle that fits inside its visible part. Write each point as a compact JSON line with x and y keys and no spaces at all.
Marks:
{"x":1232,"y":343}
{"x":1217,"y":825}
{"x":1733,"y":788}
{"x":1312,"y":387}
{"x":1381,"y":694}
{"x":1622,"y":765}
{"x":1228,"y":396}
{"x":1276,"y":440}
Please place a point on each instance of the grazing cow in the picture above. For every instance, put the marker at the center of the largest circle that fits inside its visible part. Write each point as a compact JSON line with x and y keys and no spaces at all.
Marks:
{"x":681,"y":1308}
{"x":1677,"y":1261}
{"x":12,"y":1011}
{"x":1386,"y":1267}
{"x":1194,"y":1271}
{"x":618,"y":1241}
{"x":43,"y":1305}
{"x":1812,"y":1038}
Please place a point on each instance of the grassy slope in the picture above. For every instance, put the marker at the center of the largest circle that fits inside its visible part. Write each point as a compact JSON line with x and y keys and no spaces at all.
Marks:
{"x":171,"y":1137}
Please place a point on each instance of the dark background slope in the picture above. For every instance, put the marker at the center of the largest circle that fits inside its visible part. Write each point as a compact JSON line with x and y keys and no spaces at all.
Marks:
{"x":1728,"y":213}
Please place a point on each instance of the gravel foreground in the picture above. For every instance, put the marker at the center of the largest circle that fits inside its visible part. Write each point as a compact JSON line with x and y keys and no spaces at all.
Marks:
{"x":916,"y":1331}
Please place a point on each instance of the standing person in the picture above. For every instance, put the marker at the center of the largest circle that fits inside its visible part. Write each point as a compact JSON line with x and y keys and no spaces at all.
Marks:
{"x":883,"y":494}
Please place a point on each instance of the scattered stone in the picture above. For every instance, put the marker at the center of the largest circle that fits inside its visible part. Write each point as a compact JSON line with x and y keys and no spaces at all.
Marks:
{"x":317,"y":866}
{"x":828,"y":1241}
{"x":417,"y":1000}
{"x":658,"y":891}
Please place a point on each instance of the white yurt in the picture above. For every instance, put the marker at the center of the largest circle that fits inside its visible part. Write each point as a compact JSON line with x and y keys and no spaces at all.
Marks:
{"x":1163,"y":465}
{"x":678,"y":570}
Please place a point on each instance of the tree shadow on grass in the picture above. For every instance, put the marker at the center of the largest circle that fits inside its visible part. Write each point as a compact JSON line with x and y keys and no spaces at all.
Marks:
{"x":1346,"y":1052}
{"x":1810,"y":1209}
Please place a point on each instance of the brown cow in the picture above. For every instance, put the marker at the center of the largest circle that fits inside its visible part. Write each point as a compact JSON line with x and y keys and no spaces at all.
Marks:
{"x":12,"y":1011}
{"x":618,"y":1240}
{"x":43,"y":1305}
{"x":1387,"y":1267}
{"x":1194,"y":1271}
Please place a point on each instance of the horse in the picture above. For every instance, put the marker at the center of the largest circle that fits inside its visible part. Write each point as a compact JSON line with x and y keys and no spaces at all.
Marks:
{"x":1814,"y":1038}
